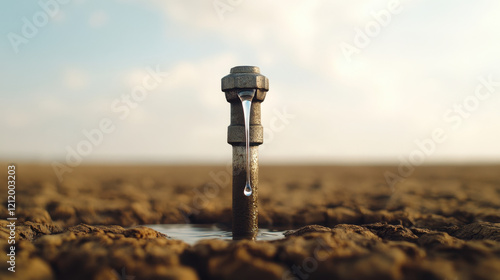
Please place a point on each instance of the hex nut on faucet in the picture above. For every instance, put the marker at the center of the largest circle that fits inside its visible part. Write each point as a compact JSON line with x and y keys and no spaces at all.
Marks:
{"x":244,"y":77}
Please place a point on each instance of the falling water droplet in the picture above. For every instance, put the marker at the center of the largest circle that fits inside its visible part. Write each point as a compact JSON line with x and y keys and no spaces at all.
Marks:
{"x":248,"y":189}
{"x":246,"y":102}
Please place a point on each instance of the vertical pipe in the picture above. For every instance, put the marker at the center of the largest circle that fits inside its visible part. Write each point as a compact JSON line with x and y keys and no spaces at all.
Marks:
{"x":245,"y":212}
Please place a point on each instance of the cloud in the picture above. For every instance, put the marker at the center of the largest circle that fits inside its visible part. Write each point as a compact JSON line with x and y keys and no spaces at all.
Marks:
{"x":306,"y":32}
{"x":16,"y":119}
{"x":98,"y":18}
{"x":75,"y":78}
{"x":395,"y":90}
{"x":60,"y":17}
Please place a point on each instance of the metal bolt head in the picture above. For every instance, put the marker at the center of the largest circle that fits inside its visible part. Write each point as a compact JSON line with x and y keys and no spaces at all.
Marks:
{"x":244,"y":77}
{"x":245,"y":69}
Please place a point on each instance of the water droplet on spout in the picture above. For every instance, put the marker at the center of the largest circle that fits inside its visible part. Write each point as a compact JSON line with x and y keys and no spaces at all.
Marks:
{"x":248,"y":189}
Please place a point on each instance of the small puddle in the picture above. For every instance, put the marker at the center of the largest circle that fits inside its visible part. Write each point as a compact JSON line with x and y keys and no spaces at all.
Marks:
{"x":192,"y":233}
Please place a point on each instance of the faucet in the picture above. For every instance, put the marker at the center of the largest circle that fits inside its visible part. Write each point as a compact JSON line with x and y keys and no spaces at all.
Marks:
{"x":242,"y":81}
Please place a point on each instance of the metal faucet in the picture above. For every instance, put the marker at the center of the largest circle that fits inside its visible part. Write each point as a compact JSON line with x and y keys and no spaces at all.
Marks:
{"x":240,"y":79}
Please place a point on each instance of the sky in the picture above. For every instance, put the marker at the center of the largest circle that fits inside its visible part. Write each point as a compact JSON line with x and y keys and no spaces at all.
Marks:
{"x":350,"y":81}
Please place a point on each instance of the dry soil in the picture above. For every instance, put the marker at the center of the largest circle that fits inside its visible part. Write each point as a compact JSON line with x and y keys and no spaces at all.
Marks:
{"x":440,"y":222}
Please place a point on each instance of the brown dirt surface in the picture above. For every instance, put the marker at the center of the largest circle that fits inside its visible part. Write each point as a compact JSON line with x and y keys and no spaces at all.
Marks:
{"x":346,"y":222}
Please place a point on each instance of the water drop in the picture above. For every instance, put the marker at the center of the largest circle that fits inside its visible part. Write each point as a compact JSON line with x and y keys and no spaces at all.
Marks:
{"x":248,"y":189}
{"x":246,"y":102}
